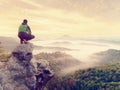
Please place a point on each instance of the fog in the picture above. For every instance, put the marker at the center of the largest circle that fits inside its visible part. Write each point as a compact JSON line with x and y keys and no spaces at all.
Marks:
{"x":80,"y":49}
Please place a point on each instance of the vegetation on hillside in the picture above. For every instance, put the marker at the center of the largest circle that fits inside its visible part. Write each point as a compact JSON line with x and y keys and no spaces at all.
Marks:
{"x":105,"y":77}
{"x":58,"y":60}
{"x":108,"y":56}
{"x":3,"y":55}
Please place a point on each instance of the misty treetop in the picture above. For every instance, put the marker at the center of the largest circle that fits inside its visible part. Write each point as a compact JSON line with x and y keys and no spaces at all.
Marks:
{"x":106,"y":77}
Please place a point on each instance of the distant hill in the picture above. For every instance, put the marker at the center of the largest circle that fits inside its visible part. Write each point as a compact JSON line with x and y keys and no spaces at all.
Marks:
{"x":109,"y":56}
{"x":64,"y":37}
{"x":115,"y":40}
{"x":99,"y":78}
{"x":63,"y":43}
{"x":58,"y":60}
{"x":68,"y":37}
{"x":52,"y":48}
{"x":8,"y":43}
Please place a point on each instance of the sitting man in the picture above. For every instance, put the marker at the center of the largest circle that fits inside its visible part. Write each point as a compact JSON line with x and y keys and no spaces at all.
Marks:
{"x":24,"y":32}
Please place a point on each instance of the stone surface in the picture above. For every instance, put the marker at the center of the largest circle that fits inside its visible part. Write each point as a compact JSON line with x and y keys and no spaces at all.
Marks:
{"x":19,"y":73}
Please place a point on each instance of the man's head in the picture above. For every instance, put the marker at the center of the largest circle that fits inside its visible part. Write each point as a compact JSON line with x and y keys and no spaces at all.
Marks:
{"x":25,"y":21}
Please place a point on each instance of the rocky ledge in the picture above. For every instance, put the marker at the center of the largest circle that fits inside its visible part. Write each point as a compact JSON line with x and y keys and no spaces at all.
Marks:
{"x":23,"y":72}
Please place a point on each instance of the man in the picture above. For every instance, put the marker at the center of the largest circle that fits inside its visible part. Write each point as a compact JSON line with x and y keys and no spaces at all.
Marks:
{"x":24,"y":32}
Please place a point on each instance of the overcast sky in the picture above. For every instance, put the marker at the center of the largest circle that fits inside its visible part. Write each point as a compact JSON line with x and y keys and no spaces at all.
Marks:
{"x":61,"y":17}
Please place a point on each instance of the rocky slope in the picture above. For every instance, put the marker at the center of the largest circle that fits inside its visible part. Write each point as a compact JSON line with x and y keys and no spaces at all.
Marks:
{"x":19,"y":72}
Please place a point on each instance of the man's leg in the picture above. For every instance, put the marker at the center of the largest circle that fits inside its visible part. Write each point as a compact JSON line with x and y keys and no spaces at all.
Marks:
{"x":29,"y":37}
{"x":25,"y":41}
{"x":21,"y":41}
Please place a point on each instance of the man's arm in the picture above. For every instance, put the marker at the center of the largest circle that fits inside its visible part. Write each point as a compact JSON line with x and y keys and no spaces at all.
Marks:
{"x":29,"y":30}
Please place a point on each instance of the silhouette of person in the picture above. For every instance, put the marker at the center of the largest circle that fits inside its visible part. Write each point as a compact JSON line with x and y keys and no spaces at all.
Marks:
{"x":24,"y":32}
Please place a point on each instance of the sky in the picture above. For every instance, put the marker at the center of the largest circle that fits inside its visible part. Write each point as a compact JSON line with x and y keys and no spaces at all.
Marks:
{"x":50,"y":18}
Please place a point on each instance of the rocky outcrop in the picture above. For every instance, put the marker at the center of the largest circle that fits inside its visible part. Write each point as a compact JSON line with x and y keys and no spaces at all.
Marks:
{"x":19,"y":73}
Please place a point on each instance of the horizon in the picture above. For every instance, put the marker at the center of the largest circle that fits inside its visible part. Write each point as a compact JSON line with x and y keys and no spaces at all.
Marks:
{"x":66,"y":17}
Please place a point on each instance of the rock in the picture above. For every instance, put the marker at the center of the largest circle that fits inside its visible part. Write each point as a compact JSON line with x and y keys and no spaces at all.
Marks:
{"x":43,"y":75}
{"x":21,"y":87}
{"x":8,"y":86}
{"x":19,"y":73}
{"x":1,"y":88}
